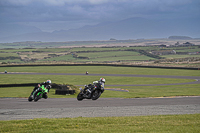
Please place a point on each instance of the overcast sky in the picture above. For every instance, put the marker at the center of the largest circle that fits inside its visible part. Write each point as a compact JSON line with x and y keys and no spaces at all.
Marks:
{"x":50,"y":15}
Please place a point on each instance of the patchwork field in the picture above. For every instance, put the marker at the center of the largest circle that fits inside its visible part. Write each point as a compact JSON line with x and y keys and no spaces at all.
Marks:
{"x":138,"y":52}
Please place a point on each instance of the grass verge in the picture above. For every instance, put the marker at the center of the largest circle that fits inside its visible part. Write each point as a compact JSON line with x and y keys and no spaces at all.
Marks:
{"x":134,"y":91}
{"x":102,"y":70}
{"x":161,"y":123}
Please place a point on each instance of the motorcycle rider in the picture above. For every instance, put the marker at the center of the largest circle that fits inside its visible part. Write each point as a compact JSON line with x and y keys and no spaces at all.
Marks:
{"x":86,"y":72}
{"x":99,"y":84}
{"x":44,"y":86}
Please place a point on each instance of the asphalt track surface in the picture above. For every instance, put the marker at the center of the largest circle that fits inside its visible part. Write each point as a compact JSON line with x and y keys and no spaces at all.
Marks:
{"x":20,"y":108}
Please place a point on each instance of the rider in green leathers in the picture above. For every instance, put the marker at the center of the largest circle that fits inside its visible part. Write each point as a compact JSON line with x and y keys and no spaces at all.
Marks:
{"x":44,"y":86}
{"x":45,"y":90}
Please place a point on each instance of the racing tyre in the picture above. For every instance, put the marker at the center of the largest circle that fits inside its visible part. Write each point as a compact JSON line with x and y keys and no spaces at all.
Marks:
{"x":30,"y":99}
{"x":37,"y":97}
{"x":80,"y":97}
{"x":96,"y":94}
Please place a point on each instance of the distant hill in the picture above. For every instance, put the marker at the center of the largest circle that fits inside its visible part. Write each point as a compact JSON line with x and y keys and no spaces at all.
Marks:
{"x":132,"y":28}
{"x":180,"y":37}
{"x":8,"y":30}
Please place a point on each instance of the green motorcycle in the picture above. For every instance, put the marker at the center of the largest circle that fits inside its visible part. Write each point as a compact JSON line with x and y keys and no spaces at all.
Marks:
{"x":38,"y":94}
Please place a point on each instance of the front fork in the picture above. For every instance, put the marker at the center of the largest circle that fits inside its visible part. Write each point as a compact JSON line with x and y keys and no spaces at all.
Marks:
{"x":35,"y":92}
{"x":81,"y":90}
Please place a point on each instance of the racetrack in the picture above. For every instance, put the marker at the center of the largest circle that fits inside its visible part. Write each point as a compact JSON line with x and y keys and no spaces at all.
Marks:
{"x":20,"y":108}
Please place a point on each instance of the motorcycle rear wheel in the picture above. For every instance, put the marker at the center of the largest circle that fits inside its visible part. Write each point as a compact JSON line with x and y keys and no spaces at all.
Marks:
{"x":96,"y":94}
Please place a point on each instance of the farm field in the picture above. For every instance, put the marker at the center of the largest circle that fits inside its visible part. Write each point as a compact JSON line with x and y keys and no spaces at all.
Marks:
{"x":135,"y":52}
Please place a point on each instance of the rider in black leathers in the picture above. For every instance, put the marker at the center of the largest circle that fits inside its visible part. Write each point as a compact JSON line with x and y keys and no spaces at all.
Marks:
{"x":99,"y":84}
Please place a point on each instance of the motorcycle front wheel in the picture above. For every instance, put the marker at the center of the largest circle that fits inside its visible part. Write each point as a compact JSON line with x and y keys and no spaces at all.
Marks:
{"x":80,"y":97}
{"x":30,"y":98}
{"x":96,"y":94}
{"x":37,"y":97}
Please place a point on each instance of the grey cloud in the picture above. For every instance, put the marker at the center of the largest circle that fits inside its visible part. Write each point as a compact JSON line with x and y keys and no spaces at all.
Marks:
{"x":89,"y":8}
{"x":94,"y":11}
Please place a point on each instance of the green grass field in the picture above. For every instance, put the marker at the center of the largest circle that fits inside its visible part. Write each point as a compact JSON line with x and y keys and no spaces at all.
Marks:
{"x":166,"y":123}
{"x":134,"y":91}
{"x":103,"y":70}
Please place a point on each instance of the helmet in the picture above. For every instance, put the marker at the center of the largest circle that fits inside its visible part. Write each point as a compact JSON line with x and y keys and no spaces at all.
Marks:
{"x":49,"y":81}
{"x":102,"y":80}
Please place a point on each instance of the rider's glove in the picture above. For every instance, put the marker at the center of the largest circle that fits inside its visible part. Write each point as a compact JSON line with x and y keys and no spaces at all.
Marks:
{"x":49,"y":87}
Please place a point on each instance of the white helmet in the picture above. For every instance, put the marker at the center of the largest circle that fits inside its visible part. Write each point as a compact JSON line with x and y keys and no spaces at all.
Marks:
{"x":49,"y":81}
{"x":102,"y":80}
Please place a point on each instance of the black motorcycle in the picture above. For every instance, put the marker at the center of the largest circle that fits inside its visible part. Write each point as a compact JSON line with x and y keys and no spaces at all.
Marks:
{"x":90,"y":92}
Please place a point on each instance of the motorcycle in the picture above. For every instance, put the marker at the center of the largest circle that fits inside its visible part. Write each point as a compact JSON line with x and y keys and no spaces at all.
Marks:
{"x":90,"y":92}
{"x":37,"y":94}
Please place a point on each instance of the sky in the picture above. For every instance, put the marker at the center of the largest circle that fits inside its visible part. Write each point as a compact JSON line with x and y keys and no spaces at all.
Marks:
{"x":50,"y":15}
